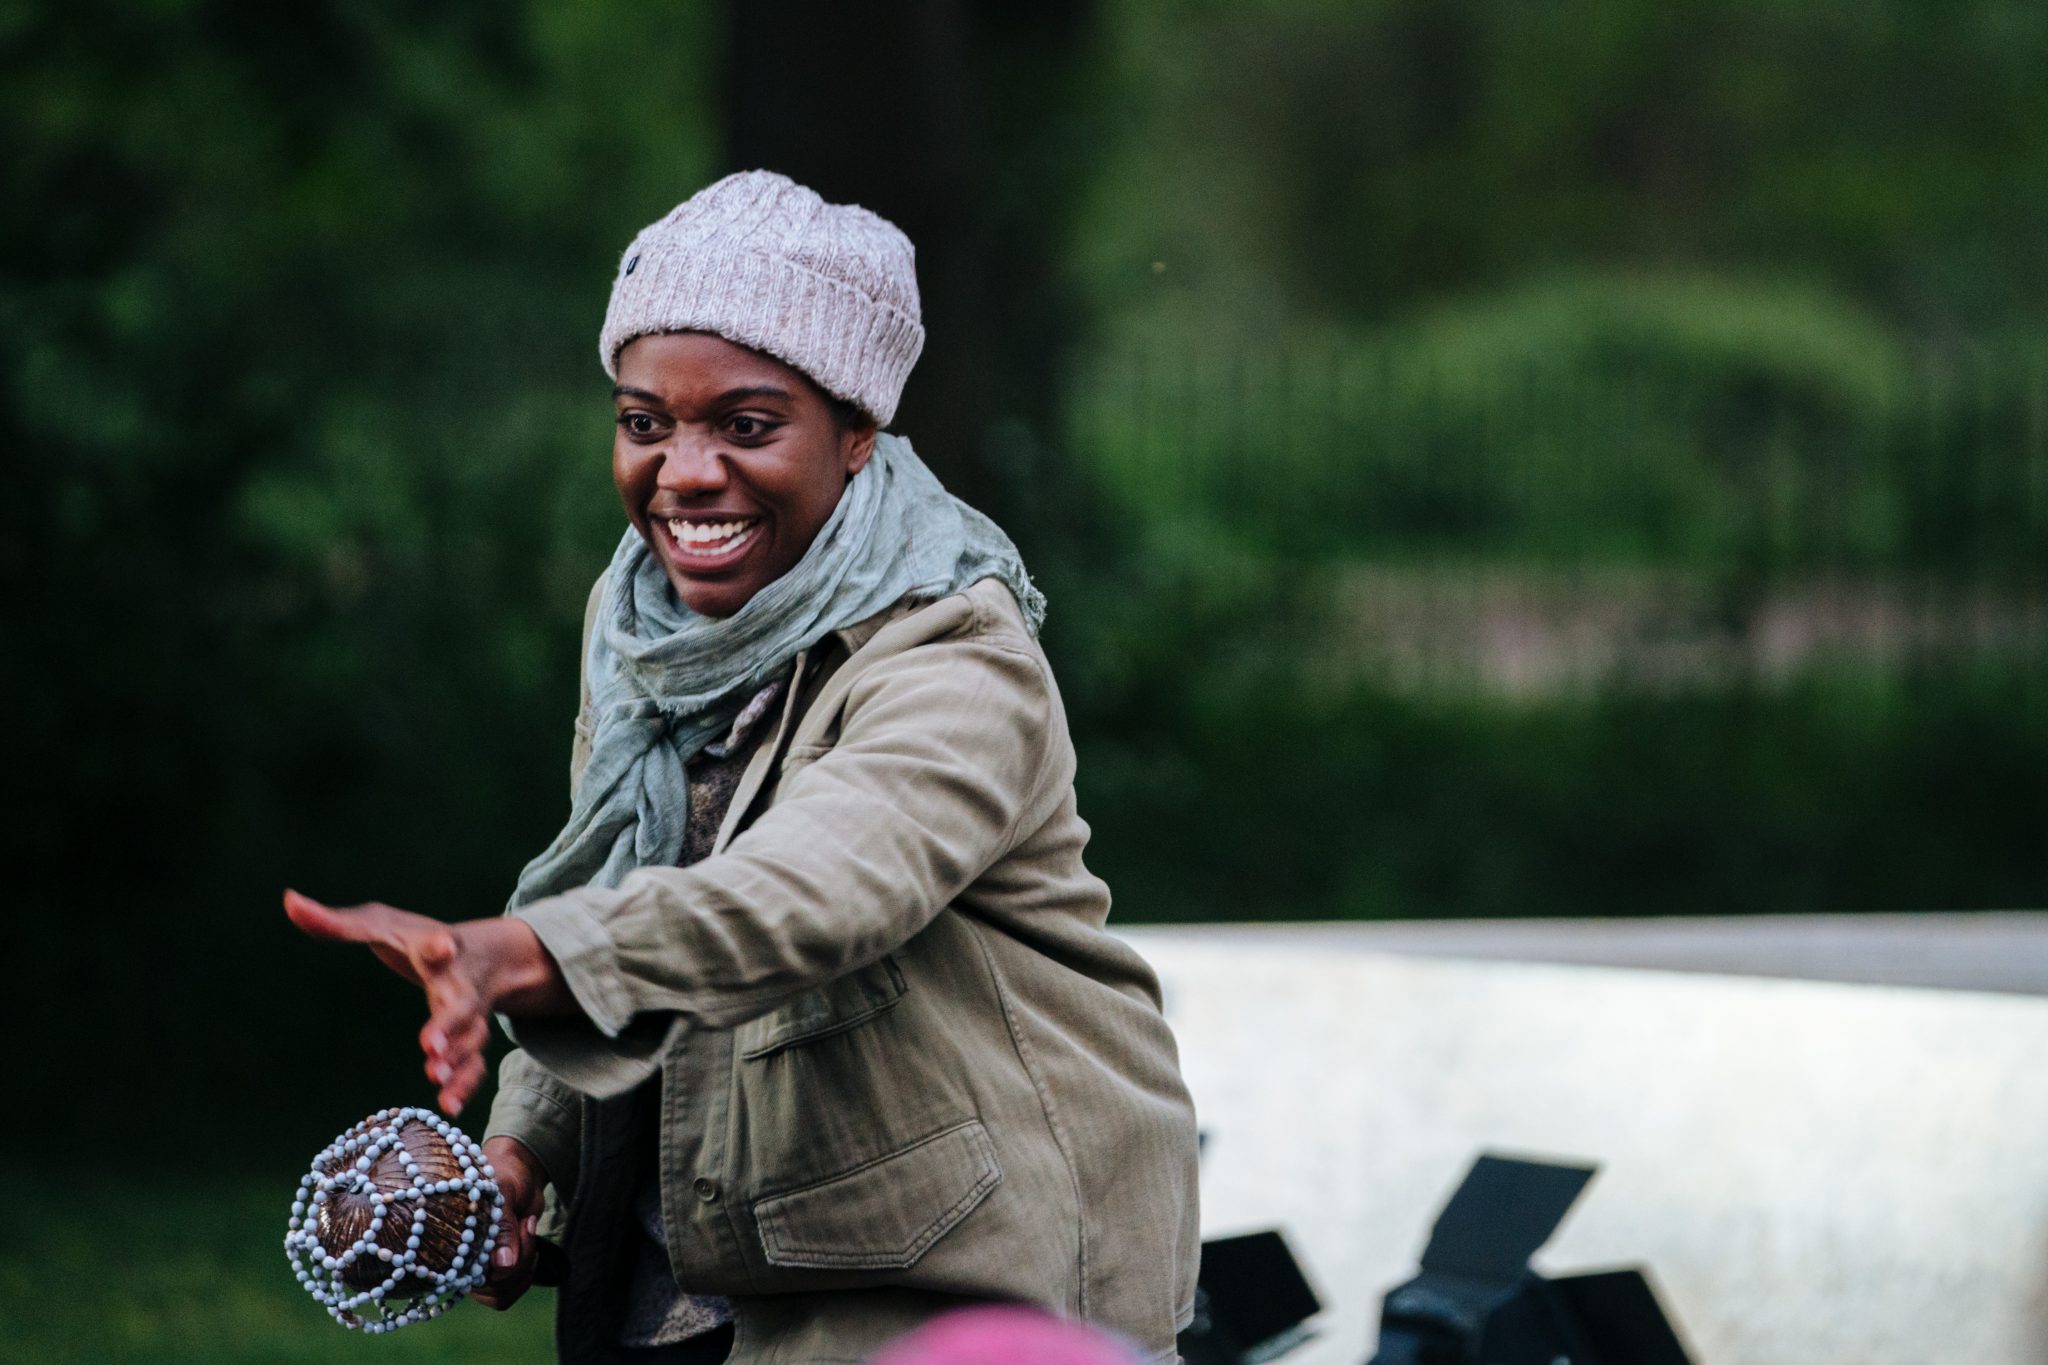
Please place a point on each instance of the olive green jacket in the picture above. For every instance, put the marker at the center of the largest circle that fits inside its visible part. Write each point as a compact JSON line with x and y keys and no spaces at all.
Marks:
{"x":900,"y":1058}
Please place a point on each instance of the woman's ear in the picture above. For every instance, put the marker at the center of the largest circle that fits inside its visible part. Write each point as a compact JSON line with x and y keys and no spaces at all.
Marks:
{"x":857,"y":445}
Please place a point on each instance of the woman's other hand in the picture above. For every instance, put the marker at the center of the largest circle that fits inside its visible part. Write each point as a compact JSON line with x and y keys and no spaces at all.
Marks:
{"x":520,"y":1183}
{"x":468,"y":970}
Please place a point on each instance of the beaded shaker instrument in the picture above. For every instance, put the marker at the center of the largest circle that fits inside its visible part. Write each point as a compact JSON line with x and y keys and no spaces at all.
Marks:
{"x":395,"y":1221}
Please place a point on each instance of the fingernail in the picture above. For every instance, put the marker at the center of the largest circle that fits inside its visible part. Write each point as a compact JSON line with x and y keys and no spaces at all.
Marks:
{"x":504,"y":1256}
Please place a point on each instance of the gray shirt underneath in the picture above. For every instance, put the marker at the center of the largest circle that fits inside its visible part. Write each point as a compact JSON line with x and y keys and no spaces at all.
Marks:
{"x":658,"y":1312}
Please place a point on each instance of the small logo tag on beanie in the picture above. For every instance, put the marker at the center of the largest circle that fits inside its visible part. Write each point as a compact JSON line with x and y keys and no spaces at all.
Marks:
{"x":631,"y":261}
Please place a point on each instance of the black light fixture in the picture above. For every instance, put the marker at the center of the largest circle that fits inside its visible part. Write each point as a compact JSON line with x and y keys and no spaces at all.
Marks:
{"x":1252,"y":1303}
{"x":1477,"y":1302}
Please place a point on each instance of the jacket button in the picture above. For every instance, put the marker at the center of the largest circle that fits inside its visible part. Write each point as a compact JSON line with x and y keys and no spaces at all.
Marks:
{"x":707,"y":1189}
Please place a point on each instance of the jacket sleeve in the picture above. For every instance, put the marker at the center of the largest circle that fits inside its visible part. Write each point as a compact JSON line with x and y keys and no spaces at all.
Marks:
{"x":941,"y":761}
{"x":542,"y":1113}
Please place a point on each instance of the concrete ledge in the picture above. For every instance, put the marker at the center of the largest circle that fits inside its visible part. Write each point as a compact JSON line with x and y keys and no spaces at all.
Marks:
{"x":1816,"y":1173}
{"x":1992,"y":950}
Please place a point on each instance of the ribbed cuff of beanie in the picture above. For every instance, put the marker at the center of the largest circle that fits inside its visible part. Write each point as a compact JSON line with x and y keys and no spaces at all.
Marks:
{"x":854,"y":347}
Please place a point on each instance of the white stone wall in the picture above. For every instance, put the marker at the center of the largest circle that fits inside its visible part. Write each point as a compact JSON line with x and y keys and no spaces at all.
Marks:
{"x":1814,"y":1173}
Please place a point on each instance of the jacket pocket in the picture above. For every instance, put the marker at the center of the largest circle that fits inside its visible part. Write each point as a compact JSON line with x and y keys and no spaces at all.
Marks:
{"x":885,"y":1214}
{"x":832,"y":1008}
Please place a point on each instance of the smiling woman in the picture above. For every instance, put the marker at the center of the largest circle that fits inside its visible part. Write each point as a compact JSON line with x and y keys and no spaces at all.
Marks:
{"x":729,"y":462}
{"x":820,"y":1031}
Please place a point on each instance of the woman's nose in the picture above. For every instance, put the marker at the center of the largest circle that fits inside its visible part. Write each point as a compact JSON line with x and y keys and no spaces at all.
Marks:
{"x":692,"y":466}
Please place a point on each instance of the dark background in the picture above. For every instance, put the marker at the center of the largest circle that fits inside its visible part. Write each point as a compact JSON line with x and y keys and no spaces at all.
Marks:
{"x":1564,"y":459}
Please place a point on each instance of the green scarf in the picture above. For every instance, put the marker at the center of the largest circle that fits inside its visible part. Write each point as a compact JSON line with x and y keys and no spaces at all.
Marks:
{"x":666,"y":681}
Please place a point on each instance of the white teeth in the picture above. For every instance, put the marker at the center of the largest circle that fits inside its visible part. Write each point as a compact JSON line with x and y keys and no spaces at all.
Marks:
{"x":707,"y":536}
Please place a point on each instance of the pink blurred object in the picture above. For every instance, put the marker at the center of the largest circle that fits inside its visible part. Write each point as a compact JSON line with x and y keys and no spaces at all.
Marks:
{"x":1005,"y":1336}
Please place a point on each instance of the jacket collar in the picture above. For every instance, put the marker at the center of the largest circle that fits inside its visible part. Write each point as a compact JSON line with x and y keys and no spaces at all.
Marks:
{"x":860,"y":632}
{"x":767,"y":754}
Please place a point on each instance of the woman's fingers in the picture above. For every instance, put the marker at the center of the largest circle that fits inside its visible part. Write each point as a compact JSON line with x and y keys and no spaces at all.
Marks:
{"x":456,"y":1071}
{"x":454,"y":1034}
{"x":467,"y":1075}
{"x":511,"y":1270}
{"x":425,"y":952}
{"x":454,"y":1039}
{"x":383,"y":930}
{"x":322,"y":921}
{"x":456,"y":1023}
{"x":455,"y":1079}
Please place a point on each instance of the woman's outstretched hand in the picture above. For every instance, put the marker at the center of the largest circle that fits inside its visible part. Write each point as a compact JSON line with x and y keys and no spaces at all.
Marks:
{"x":468,"y":970}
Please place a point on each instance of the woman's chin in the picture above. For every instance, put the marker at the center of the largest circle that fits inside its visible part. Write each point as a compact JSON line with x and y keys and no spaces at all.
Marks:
{"x":717,"y":600}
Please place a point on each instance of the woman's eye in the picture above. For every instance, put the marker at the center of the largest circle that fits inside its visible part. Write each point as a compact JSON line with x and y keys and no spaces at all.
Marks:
{"x":637,"y":423}
{"x":747,"y":428}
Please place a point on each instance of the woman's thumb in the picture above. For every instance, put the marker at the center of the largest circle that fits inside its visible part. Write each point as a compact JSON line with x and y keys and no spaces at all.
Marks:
{"x":513,"y":1248}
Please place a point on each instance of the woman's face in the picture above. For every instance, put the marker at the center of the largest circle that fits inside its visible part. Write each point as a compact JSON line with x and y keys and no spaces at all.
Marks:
{"x":729,"y":463}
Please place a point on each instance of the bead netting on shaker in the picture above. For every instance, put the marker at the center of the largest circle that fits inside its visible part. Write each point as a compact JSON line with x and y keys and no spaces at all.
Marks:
{"x":401,"y":1207}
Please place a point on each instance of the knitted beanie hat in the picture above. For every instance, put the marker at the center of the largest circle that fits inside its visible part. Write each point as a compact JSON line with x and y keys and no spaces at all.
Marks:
{"x":758,"y":259}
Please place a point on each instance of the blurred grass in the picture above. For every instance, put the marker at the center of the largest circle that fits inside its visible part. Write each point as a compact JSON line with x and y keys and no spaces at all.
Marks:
{"x":97,"y":1270}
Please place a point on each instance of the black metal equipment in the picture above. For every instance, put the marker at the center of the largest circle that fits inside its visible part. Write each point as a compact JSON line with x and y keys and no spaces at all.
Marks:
{"x":1477,"y":1302}
{"x":1251,"y":1302}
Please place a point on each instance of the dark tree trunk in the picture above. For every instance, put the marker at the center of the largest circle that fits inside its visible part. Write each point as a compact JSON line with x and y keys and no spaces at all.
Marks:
{"x":961,"y":126}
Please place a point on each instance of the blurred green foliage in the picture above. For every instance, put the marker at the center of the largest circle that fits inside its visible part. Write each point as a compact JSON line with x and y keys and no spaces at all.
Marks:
{"x":1720,"y":324}
{"x":308,"y":458}
{"x":310,"y":478}
{"x":1723,"y":426}
{"x":1231,"y":798}
{"x":1347,"y":160}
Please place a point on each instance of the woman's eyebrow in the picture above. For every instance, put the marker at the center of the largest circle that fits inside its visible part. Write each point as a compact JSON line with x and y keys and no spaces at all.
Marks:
{"x":755,"y":391}
{"x":729,"y":396}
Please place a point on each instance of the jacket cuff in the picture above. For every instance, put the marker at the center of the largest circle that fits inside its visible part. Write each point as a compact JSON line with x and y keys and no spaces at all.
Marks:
{"x":536,"y":1113}
{"x":582,"y":947}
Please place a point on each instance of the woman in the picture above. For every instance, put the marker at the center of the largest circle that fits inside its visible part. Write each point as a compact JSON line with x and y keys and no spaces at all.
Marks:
{"x":820,"y":1033}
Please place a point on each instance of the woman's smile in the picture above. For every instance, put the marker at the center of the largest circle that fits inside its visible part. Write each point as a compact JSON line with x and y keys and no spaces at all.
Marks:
{"x":697,"y":545}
